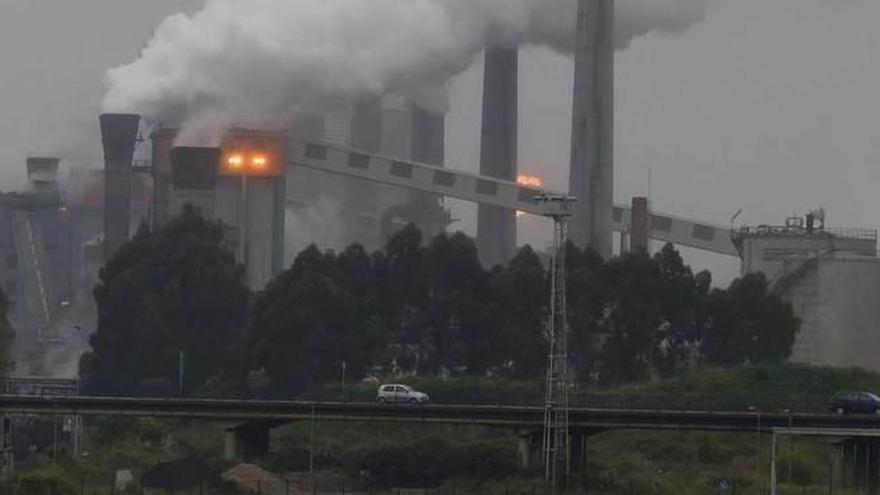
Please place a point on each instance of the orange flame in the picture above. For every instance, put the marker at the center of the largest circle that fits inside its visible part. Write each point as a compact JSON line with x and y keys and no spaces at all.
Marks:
{"x":529,"y":181}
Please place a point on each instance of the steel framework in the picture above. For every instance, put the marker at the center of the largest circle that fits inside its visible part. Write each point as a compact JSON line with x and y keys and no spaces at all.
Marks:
{"x":557,"y":459}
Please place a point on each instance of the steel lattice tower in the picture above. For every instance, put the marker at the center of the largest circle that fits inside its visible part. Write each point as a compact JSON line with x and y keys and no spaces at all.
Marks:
{"x":556,"y":405}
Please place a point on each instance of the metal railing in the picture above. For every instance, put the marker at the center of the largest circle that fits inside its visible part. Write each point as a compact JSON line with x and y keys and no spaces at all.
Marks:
{"x":288,"y":486}
{"x":796,"y":230}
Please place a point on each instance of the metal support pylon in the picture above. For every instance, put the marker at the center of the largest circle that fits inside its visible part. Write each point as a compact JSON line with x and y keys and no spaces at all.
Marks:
{"x":557,"y":458}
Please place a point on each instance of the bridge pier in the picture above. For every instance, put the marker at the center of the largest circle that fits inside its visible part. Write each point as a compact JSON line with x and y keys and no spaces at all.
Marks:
{"x":247,"y":441}
{"x":578,"y":454}
{"x":529,"y":450}
{"x":856,"y":464}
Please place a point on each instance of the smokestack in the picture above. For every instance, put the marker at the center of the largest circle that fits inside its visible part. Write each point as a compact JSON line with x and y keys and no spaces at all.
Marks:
{"x":591,"y":174}
{"x":43,"y":173}
{"x":119,"y":136}
{"x":640,"y":225}
{"x":496,"y":227}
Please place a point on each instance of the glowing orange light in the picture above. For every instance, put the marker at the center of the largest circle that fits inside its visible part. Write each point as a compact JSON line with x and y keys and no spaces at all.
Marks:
{"x":259,"y":162}
{"x":529,"y":181}
{"x":520,"y":213}
{"x":235,"y":161}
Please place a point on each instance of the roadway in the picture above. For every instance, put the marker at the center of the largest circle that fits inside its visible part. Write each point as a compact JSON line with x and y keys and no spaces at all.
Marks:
{"x":519,"y":417}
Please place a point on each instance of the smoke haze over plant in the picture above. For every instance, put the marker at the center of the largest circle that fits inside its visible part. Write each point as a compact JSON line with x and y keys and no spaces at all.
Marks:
{"x":765,"y":105}
{"x":243,"y":60}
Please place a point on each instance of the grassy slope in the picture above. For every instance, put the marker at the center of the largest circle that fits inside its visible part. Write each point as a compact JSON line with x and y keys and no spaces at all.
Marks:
{"x":800,"y":388}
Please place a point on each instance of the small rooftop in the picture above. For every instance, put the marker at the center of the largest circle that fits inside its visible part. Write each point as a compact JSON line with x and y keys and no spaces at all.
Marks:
{"x":811,"y":225}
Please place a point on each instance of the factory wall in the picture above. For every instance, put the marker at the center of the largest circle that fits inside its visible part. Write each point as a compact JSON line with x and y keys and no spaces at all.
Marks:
{"x":362,"y":198}
{"x":314,"y":213}
{"x":163,"y":142}
{"x":249,"y":202}
{"x":770,"y":253}
{"x":836,"y":301}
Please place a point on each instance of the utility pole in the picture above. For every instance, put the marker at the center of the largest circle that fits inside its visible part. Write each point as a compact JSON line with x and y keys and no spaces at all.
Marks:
{"x":773,"y":465}
{"x":344,"y":366}
{"x":243,"y":222}
{"x":180,"y":368}
{"x":7,"y":456}
{"x":557,"y":461}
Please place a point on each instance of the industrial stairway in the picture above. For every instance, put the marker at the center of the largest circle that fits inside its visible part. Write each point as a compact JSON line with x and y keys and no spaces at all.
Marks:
{"x":34,"y":264}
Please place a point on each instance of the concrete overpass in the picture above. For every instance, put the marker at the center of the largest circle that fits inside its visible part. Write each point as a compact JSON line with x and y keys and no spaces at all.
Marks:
{"x":856,"y":450}
{"x":517,"y":417}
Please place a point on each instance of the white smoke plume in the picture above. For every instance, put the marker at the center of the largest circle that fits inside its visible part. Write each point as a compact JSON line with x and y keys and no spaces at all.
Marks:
{"x":266,"y":59}
{"x":321,"y":223}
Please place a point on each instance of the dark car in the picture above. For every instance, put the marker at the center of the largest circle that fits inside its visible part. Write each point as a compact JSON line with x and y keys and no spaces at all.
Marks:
{"x":855,"y":403}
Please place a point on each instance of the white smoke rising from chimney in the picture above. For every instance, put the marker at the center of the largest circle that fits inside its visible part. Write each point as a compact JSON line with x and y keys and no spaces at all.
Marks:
{"x":266,"y":59}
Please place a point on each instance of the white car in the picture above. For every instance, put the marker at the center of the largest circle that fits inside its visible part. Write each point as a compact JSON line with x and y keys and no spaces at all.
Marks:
{"x":396,"y":393}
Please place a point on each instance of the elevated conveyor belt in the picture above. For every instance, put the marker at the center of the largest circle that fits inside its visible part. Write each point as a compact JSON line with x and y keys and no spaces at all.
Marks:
{"x":34,"y":269}
{"x":489,"y":190}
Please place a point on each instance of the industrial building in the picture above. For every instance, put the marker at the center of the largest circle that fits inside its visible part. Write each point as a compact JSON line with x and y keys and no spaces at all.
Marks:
{"x":360,"y":205}
{"x":830,"y":277}
{"x":37,"y":265}
{"x":241,"y":183}
{"x":353,"y":210}
{"x":335,"y":211}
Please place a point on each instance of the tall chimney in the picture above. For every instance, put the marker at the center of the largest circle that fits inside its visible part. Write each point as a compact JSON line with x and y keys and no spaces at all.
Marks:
{"x":640,"y":225}
{"x":496,"y":227}
{"x":591,"y":176}
{"x":119,"y":136}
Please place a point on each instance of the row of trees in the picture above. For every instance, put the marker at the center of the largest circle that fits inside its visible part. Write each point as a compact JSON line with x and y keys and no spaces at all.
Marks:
{"x":176,"y":296}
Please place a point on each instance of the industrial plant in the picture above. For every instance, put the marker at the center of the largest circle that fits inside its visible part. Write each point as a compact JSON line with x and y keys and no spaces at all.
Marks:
{"x":358,"y":172}
{"x":306,"y":126}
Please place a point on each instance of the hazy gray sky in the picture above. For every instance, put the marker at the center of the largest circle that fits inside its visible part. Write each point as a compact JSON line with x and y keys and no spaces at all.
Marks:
{"x":769,"y":105}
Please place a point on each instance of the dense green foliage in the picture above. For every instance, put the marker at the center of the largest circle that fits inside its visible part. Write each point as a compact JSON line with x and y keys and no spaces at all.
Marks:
{"x":5,"y":335}
{"x":656,"y":316}
{"x":430,"y":462}
{"x":767,"y":387}
{"x":44,"y":481}
{"x":174,"y":290}
{"x":415,"y":307}
{"x":432,"y":309}
{"x":426,"y":309}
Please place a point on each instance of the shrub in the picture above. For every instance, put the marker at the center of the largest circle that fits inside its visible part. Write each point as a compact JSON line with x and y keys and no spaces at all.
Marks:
{"x":430,"y":462}
{"x":180,"y":474}
{"x":39,"y":482}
